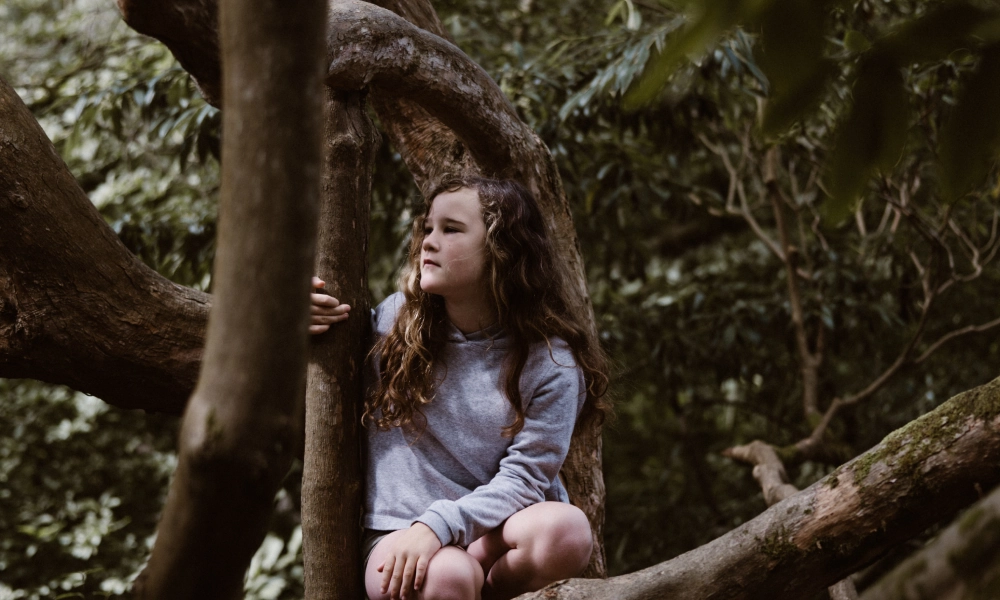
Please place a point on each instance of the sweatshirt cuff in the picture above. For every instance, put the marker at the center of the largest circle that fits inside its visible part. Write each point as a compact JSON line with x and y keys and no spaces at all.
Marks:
{"x":437,"y":525}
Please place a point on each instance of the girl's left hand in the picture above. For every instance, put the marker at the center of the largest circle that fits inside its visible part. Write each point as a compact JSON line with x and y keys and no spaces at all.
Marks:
{"x":405,"y":566}
{"x":324,"y":310}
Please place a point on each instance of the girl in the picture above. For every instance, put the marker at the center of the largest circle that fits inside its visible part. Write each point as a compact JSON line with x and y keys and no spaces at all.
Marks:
{"x":481,"y":374}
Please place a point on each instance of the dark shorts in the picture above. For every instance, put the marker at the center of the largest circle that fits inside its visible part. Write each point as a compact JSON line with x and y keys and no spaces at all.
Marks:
{"x":369,"y":539}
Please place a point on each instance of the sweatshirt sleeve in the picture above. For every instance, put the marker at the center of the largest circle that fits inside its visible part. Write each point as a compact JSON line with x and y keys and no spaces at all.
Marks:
{"x":531,"y":463}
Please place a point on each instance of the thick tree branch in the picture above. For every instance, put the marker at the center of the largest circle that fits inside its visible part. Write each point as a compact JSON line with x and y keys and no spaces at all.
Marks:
{"x":244,"y":421}
{"x":769,"y":472}
{"x":917,"y":476}
{"x":76,"y":307}
{"x":963,"y":561}
{"x":190,"y":28}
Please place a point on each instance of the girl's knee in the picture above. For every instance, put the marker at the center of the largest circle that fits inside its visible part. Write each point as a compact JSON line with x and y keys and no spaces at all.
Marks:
{"x":452,"y":574}
{"x":563,"y":541}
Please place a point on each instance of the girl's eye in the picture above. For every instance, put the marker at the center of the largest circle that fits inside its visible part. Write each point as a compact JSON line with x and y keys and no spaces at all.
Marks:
{"x":450,"y":230}
{"x":427,"y":231}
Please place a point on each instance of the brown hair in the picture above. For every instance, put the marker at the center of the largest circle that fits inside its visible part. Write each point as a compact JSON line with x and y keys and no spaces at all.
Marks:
{"x":528,"y":296}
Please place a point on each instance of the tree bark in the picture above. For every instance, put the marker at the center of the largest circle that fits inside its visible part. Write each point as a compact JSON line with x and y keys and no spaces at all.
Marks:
{"x":244,"y":421}
{"x":76,"y":307}
{"x":963,"y":562}
{"x":917,"y":476}
{"x":332,"y":477}
{"x":770,"y":473}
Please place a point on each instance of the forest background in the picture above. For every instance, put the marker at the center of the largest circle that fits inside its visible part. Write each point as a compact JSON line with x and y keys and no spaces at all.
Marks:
{"x":682,"y":249}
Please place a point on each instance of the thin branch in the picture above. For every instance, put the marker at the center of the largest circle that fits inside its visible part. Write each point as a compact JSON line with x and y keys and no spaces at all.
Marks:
{"x":954,"y":334}
{"x":810,"y":443}
{"x":768,"y":469}
{"x":808,"y":362}
{"x":736,"y":188}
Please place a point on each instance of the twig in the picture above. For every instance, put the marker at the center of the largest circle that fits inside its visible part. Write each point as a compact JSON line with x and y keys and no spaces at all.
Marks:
{"x":954,"y":334}
{"x":809,"y":362}
{"x":736,"y":190}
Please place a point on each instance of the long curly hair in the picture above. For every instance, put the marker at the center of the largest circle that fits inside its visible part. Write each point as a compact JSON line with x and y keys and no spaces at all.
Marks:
{"x":529,"y":299}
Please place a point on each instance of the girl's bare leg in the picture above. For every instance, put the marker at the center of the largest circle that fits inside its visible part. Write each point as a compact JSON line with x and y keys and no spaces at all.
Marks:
{"x":452,"y":574}
{"x":543,"y":543}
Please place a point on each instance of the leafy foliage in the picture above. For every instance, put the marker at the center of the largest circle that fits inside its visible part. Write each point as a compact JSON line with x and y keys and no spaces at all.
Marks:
{"x":794,"y":58}
{"x":674,"y":207}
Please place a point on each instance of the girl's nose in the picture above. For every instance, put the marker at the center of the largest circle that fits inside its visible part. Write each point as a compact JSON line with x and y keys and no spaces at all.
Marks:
{"x":430,"y":242}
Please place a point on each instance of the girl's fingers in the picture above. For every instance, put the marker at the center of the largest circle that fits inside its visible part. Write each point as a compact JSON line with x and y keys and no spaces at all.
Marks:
{"x":396,"y":580}
{"x":322,"y":309}
{"x":387,"y":572}
{"x":418,"y":578}
{"x":323,"y":300}
{"x":408,"y":572}
{"x":322,"y":319}
{"x":317,"y":282}
{"x":317,"y":329}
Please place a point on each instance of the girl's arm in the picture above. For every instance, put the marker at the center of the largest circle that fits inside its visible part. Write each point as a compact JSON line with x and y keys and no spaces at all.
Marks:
{"x":531,"y":463}
{"x":325,"y":310}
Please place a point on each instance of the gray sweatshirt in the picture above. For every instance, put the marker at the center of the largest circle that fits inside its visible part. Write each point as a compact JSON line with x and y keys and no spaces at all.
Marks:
{"x":459,"y":475}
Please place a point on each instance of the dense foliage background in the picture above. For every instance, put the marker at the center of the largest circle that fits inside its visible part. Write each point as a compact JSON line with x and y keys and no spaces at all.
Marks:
{"x":673,"y":206}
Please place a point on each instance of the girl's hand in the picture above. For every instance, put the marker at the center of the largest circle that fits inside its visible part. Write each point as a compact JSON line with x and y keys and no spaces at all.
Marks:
{"x":404,"y":567}
{"x":325,"y":310}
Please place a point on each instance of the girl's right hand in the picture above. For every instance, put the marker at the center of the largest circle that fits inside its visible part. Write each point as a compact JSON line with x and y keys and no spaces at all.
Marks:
{"x":324,"y":310}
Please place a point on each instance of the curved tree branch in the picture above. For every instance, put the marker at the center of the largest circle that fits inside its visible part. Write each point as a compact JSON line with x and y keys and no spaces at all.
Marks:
{"x":768,"y":469}
{"x":371,"y":46}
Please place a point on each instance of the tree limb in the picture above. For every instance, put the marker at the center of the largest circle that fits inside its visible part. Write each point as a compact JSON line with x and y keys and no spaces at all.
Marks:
{"x":917,"y":476}
{"x":369,"y":45}
{"x":768,"y":469}
{"x":963,"y":561}
{"x":76,"y":307}
{"x":769,"y":472}
{"x":244,"y":421}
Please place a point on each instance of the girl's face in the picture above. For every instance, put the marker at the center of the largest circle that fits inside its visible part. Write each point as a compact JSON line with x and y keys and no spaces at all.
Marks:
{"x":453,"y":251}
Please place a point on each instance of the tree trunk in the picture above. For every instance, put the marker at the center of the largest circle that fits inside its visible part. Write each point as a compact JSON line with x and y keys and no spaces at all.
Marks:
{"x":963,"y":562}
{"x":243,"y":423}
{"x":917,"y":476}
{"x":332,"y":476}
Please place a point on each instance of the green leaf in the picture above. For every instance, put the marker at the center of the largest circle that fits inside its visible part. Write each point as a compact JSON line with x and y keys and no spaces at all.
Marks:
{"x":855,"y":41}
{"x":791,"y":56}
{"x":872,"y":136}
{"x":936,"y":34}
{"x":786,"y":106}
{"x":718,"y":16}
{"x":970,"y":140}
